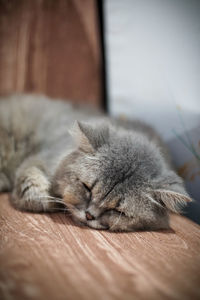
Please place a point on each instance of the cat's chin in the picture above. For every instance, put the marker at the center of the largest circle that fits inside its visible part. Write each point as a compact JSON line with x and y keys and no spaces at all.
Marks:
{"x":96,"y":225}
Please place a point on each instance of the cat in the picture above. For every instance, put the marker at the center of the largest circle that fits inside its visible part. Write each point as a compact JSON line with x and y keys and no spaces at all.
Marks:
{"x":108,"y":173}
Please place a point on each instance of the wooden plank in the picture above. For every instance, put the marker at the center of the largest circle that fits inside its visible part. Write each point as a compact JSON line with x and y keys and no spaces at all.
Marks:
{"x":51,"y":47}
{"x":46,"y":256}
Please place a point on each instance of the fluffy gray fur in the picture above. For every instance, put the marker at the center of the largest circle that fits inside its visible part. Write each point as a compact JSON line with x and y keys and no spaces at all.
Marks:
{"x":110,"y":174}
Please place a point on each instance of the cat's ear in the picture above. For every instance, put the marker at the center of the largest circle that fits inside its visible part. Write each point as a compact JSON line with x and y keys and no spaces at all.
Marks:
{"x":88,"y":137}
{"x":173,"y":201}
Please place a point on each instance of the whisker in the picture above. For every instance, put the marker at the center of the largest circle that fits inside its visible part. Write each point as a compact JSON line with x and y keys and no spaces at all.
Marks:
{"x":71,"y":207}
{"x":60,"y":209}
{"x":117,"y":221}
{"x":49,"y":199}
{"x":52,"y":199}
{"x":63,"y":210}
{"x":66,"y":208}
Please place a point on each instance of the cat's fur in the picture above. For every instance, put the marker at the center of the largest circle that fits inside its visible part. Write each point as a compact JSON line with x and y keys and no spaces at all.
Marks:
{"x":110,"y":174}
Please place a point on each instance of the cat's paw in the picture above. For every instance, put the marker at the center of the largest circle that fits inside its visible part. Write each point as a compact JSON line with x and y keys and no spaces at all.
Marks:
{"x":31,"y":191}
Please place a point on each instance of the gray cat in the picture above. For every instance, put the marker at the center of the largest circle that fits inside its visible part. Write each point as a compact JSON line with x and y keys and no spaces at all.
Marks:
{"x":108,"y":173}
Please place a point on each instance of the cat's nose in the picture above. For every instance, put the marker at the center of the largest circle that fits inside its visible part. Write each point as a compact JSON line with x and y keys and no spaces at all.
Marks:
{"x":89,"y":217}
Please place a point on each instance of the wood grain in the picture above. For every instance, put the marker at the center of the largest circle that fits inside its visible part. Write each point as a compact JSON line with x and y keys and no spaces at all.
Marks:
{"x":46,"y":256}
{"x":51,"y":47}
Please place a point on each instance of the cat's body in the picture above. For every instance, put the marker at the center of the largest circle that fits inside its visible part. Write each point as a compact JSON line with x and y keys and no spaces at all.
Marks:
{"x":113,"y":175}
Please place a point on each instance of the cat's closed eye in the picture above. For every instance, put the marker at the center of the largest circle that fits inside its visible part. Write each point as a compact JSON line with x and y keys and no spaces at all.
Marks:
{"x":86,"y":187}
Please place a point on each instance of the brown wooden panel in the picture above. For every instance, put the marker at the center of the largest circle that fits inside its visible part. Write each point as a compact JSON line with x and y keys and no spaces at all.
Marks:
{"x":46,"y":256}
{"x":51,"y":47}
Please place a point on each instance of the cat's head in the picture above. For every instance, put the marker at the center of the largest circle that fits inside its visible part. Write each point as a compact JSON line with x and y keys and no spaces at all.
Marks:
{"x":118,"y":180}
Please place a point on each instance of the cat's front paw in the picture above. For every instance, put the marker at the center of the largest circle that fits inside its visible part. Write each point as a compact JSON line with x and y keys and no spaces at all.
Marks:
{"x":31,"y":191}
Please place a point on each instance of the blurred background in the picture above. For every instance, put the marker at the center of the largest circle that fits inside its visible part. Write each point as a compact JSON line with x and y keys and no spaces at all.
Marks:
{"x":133,"y":58}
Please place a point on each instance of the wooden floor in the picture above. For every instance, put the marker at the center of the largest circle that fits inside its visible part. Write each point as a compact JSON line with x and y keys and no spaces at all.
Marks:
{"x":46,"y":256}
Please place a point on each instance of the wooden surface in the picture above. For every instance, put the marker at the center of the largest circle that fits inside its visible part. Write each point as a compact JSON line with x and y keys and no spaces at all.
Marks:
{"x":51,"y":47}
{"x":46,"y":256}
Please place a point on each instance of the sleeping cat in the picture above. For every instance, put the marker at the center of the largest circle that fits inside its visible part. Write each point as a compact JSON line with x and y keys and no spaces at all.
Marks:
{"x":108,"y":173}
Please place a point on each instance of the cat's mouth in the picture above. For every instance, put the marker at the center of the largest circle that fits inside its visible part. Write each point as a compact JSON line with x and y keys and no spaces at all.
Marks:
{"x":83,"y":218}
